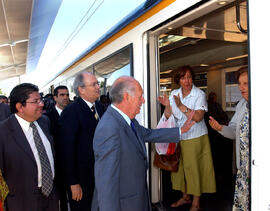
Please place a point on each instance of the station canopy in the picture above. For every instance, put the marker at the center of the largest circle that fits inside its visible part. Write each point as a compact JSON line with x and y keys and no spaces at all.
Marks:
{"x":24,"y":28}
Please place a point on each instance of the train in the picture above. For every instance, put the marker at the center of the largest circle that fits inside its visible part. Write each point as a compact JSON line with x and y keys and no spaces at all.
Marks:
{"x":215,"y":38}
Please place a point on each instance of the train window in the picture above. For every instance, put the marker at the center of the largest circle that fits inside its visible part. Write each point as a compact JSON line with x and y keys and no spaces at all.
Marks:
{"x":201,"y":81}
{"x":233,"y":94}
{"x":117,"y":64}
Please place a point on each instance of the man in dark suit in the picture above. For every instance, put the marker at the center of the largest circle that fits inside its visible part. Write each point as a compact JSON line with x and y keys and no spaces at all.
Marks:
{"x":77,"y":125}
{"x":4,"y":111}
{"x":61,"y":98}
{"x":120,"y":155}
{"x":27,"y":154}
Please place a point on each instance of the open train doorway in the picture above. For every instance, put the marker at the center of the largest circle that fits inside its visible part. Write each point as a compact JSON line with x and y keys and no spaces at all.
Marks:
{"x":214,"y":43}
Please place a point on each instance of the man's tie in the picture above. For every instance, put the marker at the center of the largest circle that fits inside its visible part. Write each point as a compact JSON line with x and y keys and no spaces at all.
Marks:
{"x":135,"y":132}
{"x":46,"y":171}
{"x":94,"y":111}
{"x":133,"y":128}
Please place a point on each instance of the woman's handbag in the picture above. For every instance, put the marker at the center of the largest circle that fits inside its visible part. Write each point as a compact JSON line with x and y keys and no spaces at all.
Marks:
{"x":168,"y":162}
{"x":167,"y":154}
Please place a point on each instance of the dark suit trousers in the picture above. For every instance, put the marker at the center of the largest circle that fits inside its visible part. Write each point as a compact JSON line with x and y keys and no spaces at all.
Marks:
{"x":50,"y":203}
{"x":63,"y":198}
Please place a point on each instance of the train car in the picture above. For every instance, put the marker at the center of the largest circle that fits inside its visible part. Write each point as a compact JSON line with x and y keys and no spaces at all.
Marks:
{"x":215,"y":38}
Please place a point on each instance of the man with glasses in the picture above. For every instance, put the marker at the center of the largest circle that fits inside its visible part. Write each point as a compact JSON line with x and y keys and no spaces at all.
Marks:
{"x":77,"y":125}
{"x":27,"y":153}
{"x":61,"y":98}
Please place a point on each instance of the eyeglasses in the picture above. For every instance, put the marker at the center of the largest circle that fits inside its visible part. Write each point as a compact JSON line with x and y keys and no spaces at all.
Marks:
{"x":37,"y":102}
{"x":93,"y":84}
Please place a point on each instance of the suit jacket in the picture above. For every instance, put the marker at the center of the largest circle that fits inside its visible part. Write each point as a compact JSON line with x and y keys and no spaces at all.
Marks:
{"x":77,"y":125}
{"x":4,"y":111}
{"x":18,"y":164}
{"x":54,"y":117}
{"x":121,"y":162}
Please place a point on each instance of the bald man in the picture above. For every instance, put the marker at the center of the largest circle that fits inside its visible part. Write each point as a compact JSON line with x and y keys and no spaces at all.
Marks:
{"x":120,"y":153}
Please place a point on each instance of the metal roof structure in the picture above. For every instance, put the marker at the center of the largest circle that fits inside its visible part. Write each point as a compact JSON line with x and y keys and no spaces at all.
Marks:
{"x":24,"y":28}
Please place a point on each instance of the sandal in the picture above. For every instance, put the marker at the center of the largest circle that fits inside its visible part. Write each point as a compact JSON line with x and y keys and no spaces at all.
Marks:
{"x":181,"y":202}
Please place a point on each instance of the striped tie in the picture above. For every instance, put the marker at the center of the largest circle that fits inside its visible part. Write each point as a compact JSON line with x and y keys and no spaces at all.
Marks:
{"x":46,"y":171}
{"x":95,"y":113}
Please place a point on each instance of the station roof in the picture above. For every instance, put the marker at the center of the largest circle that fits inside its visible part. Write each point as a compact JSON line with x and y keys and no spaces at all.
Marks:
{"x":24,"y":28}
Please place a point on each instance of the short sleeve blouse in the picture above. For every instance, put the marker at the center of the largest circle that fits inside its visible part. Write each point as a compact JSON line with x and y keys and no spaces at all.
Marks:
{"x":196,"y":100}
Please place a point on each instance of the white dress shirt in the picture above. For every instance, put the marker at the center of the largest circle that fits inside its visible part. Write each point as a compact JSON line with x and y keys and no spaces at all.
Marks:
{"x":196,"y":100}
{"x":28,"y":131}
{"x":59,"y":110}
{"x":122,"y":114}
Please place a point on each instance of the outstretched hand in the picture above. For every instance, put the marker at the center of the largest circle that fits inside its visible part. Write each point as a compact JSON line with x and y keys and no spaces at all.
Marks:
{"x":189,"y":123}
{"x":164,"y":100}
{"x":214,"y":124}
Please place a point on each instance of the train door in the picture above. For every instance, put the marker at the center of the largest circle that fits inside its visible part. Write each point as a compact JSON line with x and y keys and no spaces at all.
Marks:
{"x":212,"y":39}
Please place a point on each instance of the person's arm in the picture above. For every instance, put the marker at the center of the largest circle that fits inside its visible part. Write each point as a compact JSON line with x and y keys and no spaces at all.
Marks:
{"x":230,"y":130}
{"x":198,"y":115}
{"x":68,"y":127}
{"x":164,"y":134}
{"x":107,"y":169}
{"x":226,"y":131}
{"x":164,"y":100}
{"x":188,"y":123}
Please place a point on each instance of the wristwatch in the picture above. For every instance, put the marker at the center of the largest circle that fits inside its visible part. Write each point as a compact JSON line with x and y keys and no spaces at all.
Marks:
{"x":185,"y":111}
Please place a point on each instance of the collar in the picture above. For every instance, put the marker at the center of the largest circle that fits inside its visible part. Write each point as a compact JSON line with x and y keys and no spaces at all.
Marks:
{"x":88,"y":103}
{"x":122,"y":114}
{"x":59,"y":110}
{"x":24,"y":124}
{"x":191,"y":94}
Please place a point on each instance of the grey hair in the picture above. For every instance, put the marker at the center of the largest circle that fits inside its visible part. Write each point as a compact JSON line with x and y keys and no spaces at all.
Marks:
{"x":120,"y":86}
{"x":79,"y":82}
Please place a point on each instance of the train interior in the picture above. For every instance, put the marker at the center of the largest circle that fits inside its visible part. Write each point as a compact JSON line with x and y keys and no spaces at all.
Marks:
{"x":215,"y":46}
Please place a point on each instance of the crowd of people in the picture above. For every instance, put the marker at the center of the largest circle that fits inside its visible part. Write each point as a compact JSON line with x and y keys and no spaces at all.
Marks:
{"x":90,"y":154}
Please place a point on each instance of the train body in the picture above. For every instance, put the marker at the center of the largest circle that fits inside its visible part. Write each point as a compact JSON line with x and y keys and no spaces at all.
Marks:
{"x":215,"y":38}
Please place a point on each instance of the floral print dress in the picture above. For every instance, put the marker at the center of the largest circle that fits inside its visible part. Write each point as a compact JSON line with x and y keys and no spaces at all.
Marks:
{"x":242,"y":183}
{"x":3,"y":191}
